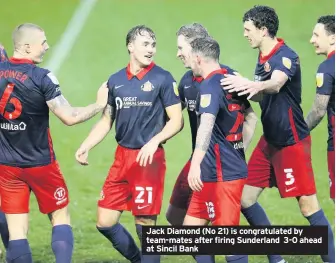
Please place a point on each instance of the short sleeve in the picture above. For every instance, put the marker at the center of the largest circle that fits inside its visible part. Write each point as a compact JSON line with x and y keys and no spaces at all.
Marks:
{"x":324,"y":81}
{"x":110,"y":98}
{"x":50,"y":86}
{"x":210,"y":97}
{"x":169,"y":92}
{"x":287,"y":63}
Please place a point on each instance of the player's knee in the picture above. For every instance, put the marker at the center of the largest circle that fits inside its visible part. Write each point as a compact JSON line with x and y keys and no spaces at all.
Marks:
{"x":60,"y":217}
{"x":250,"y":195}
{"x":175,"y":216}
{"x":107,"y":217}
{"x":146,"y":220}
{"x":308,"y":205}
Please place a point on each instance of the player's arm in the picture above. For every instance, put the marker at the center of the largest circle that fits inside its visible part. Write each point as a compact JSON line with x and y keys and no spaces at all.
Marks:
{"x":272,"y":86}
{"x":58,"y":104}
{"x":173,"y":126}
{"x":249,"y":126}
{"x":181,"y":93}
{"x":325,"y":86}
{"x":73,"y":115}
{"x":209,"y":106}
{"x":99,"y":131}
{"x":283,"y":71}
{"x":203,"y":137}
{"x":170,"y":97}
{"x":317,"y":111}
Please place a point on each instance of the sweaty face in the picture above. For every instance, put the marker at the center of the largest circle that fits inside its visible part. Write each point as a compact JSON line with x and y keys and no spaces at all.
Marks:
{"x":38,"y":46}
{"x":253,"y":34}
{"x":321,"y":40}
{"x":143,"y":48}
{"x":184,"y":51}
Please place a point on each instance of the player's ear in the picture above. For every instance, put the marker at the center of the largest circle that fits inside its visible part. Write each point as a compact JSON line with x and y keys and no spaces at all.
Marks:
{"x":332,"y":40}
{"x":130,"y":47}
{"x":264,"y":31}
{"x":198,"y":59}
{"x":27,"y":48}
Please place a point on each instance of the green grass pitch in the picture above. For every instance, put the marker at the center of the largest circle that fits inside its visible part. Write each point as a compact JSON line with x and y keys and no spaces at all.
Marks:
{"x":100,"y":50}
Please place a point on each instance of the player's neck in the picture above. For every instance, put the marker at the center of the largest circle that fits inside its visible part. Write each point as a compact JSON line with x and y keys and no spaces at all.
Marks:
{"x":208,"y":68}
{"x":19,"y":55}
{"x":135,"y":67}
{"x":267,"y":45}
{"x":331,"y":50}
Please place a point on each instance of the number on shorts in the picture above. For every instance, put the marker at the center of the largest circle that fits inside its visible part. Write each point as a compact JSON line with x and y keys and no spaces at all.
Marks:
{"x":140,"y":199}
{"x":289,"y":176}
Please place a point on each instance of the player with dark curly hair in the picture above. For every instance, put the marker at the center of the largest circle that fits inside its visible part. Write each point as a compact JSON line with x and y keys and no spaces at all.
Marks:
{"x":282,"y":157}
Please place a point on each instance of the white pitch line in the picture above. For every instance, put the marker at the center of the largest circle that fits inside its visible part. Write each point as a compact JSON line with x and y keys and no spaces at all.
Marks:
{"x":70,"y":35}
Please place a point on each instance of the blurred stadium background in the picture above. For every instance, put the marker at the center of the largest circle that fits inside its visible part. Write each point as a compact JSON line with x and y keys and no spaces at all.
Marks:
{"x":99,"y":50}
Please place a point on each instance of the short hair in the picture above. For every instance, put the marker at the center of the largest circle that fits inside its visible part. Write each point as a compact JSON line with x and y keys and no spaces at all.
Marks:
{"x":329,"y":23}
{"x":193,"y":31}
{"x":20,"y":32}
{"x":208,"y":47}
{"x":139,"y":30}
{"x":263,"y":16}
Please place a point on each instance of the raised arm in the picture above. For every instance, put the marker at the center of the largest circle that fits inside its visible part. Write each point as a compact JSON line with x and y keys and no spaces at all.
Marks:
{"x":73,"y":115}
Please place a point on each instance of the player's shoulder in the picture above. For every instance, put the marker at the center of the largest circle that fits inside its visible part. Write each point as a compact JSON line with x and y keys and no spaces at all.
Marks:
{"x":288,"y":52}
{"x":161,"y":72}
{"x":327,"y":66}
{"x":228,"y":69}
{"x":212,"y":83}
{"x":117,"y":75}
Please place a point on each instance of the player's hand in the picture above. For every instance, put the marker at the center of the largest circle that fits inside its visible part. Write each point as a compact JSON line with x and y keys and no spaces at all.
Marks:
{"x":147,"y":152}
{"x":102,"y":95}
{"x":194,"y":178}
{"x":82,"y":155}
{"x":241,"y":85}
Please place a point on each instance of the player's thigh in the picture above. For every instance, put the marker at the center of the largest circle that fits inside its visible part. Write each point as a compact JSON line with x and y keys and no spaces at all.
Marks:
{"x":197,"y":213}
{"x":147,"y":185}
{"x":107,"y":217}
{"x":116,"y":191}
{"x":225,"y":202}
{"x":48,"y":184}
{"x":180,"y":198}
{"x":331,"y":169}
{"x":14,"y":191}
{"x":259,"y":166}
{"x":293,"y":169}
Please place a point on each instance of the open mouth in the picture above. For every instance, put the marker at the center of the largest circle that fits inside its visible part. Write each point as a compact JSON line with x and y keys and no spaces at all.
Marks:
{"x":149,"y":56}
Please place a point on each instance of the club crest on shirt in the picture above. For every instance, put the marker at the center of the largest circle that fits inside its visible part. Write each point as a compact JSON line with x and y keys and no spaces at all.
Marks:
{"x":267,"y":67}
{"x":287,"y":62}
{"x":319,"y":79}
{"x":147,"y":86}
{"x":175,"y":89}
{"x":205,"y":100}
